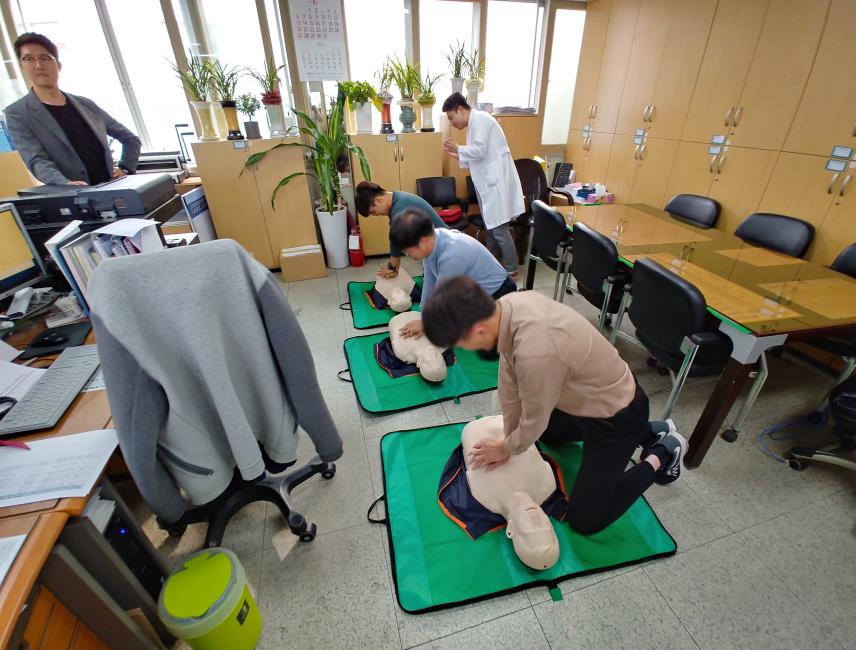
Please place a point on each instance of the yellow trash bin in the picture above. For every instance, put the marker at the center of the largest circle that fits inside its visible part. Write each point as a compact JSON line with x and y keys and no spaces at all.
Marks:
{"x":206,"y":603}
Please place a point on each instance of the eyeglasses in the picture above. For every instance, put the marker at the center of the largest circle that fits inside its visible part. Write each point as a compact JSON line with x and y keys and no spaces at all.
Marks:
{"x":42,"y":58}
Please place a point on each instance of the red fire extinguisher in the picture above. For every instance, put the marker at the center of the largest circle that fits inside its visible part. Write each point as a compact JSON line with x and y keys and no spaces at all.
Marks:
{"x":356,"y":256}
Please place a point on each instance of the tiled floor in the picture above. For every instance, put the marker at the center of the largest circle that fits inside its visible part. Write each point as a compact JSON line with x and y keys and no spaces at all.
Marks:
{"x":765,"y":554}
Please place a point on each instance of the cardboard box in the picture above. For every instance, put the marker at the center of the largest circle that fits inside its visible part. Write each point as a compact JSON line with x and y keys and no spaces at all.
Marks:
{"x":302,"y":263}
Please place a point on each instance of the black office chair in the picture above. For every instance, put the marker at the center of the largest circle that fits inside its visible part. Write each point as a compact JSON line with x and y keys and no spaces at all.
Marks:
{"x":673,"y":324}
{"x":842,"y":405}
{"x":598,"y":272}
{"x":777,"y":232}
{"x":442,"y":193}
{"x":533,"y":182}
{"x":551,"y":244}
{"x":698,"y":211}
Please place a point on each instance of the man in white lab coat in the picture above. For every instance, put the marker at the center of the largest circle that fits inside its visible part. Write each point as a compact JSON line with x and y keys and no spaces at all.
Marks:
{"x":489,"y":160}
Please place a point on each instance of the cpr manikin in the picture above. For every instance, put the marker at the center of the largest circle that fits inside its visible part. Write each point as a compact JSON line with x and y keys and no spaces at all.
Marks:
{"x":396,"y":290}
{"x":419,"y":350}
{"x":514,"y":490}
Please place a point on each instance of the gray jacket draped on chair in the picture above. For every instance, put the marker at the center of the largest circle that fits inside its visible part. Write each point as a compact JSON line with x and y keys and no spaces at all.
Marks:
{"x":203,"y":360}
{"x":47,"y":151}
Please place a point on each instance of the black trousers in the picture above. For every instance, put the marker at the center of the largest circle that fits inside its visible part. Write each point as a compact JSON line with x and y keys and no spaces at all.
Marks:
{"x":506,"y":287}
{"x":604,"y":489}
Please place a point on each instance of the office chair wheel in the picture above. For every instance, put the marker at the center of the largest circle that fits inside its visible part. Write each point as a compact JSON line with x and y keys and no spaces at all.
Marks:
{"x":329,"y":473}
{"x":797,"y":464}
{"x":310,"y":533}
{"x":651,"y":361}
{"x":729,"y":435}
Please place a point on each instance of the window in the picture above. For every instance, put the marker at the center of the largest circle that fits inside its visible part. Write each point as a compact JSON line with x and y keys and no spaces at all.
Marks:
{"x":375,"y":30}
{"x":444,"y":23}
{"x":564,"y":59}
{"x":87,"y":65}
{"x":148,"y":57}
{"x":513,"y":52}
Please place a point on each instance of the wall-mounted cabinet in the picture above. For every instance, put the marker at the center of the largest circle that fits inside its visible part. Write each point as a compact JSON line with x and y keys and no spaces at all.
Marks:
{"x":589,"y":151}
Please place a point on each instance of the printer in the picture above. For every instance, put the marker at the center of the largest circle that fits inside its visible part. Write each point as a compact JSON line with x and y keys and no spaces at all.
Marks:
{"x":46,"y":209}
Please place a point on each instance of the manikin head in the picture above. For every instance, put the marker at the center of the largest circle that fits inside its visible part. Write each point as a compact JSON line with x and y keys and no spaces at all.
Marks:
{"x":531,"y":533}
{"x":399,"y":300}
{"x":431,"y":364}
{"x":457,"y":110}
{"x":39,"y":59}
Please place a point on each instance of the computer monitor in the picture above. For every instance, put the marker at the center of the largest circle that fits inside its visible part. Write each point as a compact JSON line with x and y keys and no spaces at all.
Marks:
{"x":20,"y":263}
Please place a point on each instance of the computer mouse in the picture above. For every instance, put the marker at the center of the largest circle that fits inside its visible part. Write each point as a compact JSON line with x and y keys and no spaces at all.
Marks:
{"x":47,"y":339}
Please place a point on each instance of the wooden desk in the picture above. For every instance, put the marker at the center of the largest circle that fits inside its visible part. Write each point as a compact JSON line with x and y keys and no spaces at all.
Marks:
{"x":761,"y":297}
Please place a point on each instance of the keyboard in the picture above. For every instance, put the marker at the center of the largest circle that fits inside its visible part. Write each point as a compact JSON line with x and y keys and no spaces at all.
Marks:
{"x":44,"y":404}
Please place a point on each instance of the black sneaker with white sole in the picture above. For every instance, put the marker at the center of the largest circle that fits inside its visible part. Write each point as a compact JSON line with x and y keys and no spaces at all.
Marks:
{"x":664,"y":428}
{"x":674,"y":443}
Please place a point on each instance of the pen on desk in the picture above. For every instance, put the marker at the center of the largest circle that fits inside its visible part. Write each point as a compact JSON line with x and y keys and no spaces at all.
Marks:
{"x":14,"y":443}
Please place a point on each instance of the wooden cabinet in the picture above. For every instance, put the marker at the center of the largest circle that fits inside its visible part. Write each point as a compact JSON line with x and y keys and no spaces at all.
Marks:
{"x":838,"y":229}
{"x":613,"y":67}
{"x":801,"y":187}
{"x":588,"y":70}
{"x":649,"y":41}
{"x":639,"y":173}
{"x":827,"y":113}
{"x":396,"y":161}
{"x":690,"y":24}
{"x":240,"y":202}
{"x":589,"y":155}
{"x":730,"y":47}
{"x":780,"y":68}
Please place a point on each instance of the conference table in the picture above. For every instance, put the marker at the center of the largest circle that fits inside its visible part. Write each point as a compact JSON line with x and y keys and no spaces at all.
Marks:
{"x":761,"y":297}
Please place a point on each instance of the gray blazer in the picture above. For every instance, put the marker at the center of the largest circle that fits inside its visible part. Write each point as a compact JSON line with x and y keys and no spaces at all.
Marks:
{"x":46,"y":150}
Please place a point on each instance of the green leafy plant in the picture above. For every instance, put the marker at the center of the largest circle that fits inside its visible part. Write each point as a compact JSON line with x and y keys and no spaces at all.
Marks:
{"x":384,"y":77}
{"x":358,"y":92}
{"x":248,"y":105}
{"x":269,"y":81}
{"x":475,"y":68}
{"x":196,"y":78}
{"x":329,"y":143}
{"x":405,"y":75}
{"x":426,"y":89}
{"x":224,"y":80}
{"x":457,"y":58}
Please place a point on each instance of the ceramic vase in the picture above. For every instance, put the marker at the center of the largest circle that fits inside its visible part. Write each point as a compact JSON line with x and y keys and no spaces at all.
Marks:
{"x":458,"y":85}
{"x":408,"y":116}
{"x":334,"y":233}
{"x":473,"y":87}
{"x":232,"y":125}
{"x":385,"y":112}
{"x":364,"y":117}
{"x":206,"y":120}
{"x":276,"y":120}
{"x":427,"y":111}
{"x":252,"y":130}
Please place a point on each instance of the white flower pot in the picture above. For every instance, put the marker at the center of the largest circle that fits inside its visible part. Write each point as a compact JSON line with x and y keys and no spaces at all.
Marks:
{"x":458,"y":85}
{"x":276,"y":119}
{"x":427,"y":118}
{"x":473,"y":87}
{"x":334,"y":232}
{"x":204,"y":111}
{"x":364,"y":117}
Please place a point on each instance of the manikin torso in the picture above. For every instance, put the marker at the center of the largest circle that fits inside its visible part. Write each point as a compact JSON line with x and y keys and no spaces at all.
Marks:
{"x":515,"y":490}
{"x":396,"y":290}
{"x":418,"y":350}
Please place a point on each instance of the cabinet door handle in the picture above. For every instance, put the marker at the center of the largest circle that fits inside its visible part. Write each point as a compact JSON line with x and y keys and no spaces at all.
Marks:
{"x":395,"y":153}
{"x":642,"y":152}
{"x":591,"y":108}
{"x":832,"y":182}
{"x":728,"y":116}
{"x":737,"y":115}
{"x":645,"y":113}
{"x":845,"y":183}
{"x":636,"y":152}
{"x":651,"y":112}
{"x":401,"y":149}
{"x":594,"y":115}
{"x":712,"y":163}
{"x":720,"y":164}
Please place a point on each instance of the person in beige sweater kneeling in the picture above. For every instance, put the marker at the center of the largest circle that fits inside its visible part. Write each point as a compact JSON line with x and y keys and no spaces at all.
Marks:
{"x":560,"y":381}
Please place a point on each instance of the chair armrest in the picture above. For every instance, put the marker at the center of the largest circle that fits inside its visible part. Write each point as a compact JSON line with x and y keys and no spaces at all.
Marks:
{"x":559,"y":192}
{"x":704,"y":338}
{"x":618,"y":279}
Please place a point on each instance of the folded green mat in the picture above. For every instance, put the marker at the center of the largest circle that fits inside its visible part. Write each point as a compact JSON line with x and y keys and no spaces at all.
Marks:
{"x":364,"y":313}
{"x":377,"y":392}
{"x":435,"y":565}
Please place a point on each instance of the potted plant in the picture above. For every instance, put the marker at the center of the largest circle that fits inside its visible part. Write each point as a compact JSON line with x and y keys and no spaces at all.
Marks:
{"x":271,"y":97}
{"x":249,"y":105}
{"x":384,"y":98}
{"x":196,"y":79}
{"x":457,"y":58}
{"x":359,"y":95}
{"x":426,"y":100}
{"x":329,"y":143}
{"x":406,"y":78}
{"x":224,"y":80}
{"x":475,"y":77}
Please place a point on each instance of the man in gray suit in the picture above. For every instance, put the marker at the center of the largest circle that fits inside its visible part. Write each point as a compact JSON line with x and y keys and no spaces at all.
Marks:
{"x":62,"y":137}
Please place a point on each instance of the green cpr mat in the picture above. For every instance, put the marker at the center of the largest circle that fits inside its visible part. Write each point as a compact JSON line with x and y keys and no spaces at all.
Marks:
{"x":364,"y":313}
{"x":435,"y":565}
{"x":377,"y":392}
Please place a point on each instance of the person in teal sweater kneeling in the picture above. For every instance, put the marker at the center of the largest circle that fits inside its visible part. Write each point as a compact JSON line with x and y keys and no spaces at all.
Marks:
{"x":371,"y":199}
